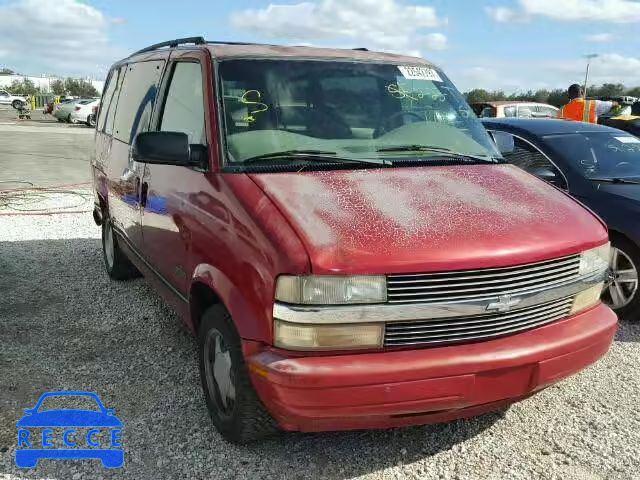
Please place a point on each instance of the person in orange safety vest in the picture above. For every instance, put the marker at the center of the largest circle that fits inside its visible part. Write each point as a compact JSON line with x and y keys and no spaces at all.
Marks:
{"x":582,"y":110}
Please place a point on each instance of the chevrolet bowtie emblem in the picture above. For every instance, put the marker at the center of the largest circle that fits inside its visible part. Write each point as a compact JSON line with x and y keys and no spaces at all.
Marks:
{"x":504,"y":303}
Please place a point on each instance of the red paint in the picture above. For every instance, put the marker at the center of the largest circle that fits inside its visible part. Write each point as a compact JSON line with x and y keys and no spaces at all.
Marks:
{"x":236,"y":233}
{"x":375,"y":390}
{"x":402,"y":220}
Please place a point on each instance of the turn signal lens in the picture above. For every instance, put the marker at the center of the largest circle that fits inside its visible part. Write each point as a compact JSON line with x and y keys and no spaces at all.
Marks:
{"x":595,"y":260}
{"x":587,"y":298}
{"x":293,"y":336}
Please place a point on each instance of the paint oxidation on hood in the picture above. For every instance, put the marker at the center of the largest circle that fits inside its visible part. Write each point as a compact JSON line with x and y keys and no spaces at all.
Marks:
{"x":429,"y":218}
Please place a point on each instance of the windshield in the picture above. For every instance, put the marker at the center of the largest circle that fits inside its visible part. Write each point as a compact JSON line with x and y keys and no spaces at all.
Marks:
{"x":354,"y":111}
{"x":600,"y":155}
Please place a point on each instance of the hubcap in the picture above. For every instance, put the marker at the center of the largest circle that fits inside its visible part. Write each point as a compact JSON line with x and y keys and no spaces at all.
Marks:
{"x":219,"y":372}
{"x":108,"y":245}
{"x":622,"y":281}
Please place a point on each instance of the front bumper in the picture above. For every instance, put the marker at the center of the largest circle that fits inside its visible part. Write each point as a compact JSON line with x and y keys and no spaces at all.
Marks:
{"x":429,"y":385}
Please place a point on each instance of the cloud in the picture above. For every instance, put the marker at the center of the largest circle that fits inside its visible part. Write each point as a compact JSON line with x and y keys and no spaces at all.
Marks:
{"x":600,"y":37}
{"x":614,"y":11}
{"x":382,"y":24}
{"x":56,"y":36}
{"x":436,"y":41}
{"x":517,"y":75}
{"x":504,"y":14}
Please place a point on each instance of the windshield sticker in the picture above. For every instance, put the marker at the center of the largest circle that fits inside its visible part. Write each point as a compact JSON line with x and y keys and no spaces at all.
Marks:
{"x":419,"y":73}
{"x":261,"y":107}
{"x":628,"y":139}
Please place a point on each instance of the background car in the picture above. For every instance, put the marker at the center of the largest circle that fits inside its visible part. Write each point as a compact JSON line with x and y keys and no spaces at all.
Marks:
{"x":82,"y":112}
{"x":7,"y":98}
{"x":63,"y":111}
{"x":626,"y":118}
{"x":598,"y":165}
{"x":501,"y":109}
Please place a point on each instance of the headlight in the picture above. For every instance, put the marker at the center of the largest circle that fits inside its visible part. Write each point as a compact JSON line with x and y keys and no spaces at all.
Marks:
{"x":331,"y":290}
{"x":595,"y":260}
{"x":293,"y":336}
{"x":587,"y":298}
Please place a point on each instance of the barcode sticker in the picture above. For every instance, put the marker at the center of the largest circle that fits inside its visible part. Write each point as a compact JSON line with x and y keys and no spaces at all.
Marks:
{"x":419,"y":73}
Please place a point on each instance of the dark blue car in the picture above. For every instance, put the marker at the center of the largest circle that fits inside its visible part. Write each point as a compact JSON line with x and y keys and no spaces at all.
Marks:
{"x":598,"y":165}
{"x":35,"y":431}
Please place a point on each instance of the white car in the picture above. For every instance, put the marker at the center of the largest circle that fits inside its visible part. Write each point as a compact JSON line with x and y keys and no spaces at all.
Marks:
{"x":82,"y":111}
{"x":8,"y":99}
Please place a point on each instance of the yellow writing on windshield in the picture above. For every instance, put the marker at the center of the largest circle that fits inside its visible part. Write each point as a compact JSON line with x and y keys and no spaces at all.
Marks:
{"x":247,"y":100}
{"x":397,"y":91}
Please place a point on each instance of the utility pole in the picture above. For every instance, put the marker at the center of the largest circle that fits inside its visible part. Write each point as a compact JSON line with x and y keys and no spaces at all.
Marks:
{"x":589,"y":57}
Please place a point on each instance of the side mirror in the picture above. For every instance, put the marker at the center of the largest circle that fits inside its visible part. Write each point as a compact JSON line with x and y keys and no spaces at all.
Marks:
{"x":545,"y":174}
{"x":504,"y":141}
{"x":164,"y":148}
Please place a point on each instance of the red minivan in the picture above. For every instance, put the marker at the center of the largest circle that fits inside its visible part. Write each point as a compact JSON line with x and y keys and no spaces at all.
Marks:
{"x":342,"y":235}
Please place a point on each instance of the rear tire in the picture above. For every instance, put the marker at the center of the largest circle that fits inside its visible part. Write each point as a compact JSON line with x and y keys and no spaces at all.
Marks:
{"x":234,"y":406}
{"x":16,"y":104}
{"x":628,"y":259}
{"x":118,"y":266}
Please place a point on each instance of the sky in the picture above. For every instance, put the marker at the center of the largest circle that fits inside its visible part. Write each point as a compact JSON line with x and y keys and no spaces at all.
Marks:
{"x":512,"y":45}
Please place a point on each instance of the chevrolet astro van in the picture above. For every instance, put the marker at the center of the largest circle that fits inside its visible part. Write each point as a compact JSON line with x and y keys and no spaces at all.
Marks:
{"x":343,"y":237}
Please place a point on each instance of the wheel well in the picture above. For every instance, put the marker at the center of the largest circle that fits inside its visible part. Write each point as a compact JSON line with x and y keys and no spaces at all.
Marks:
{"x":201,"y":298}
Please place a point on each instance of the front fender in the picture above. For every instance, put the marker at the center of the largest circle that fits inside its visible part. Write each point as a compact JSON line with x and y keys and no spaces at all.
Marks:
{"x":252,"y":316}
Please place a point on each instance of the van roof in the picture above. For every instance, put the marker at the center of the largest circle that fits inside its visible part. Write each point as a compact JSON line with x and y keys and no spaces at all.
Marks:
{"x":227,"y":50}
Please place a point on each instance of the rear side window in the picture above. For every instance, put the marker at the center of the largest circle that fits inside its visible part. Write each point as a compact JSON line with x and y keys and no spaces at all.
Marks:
{"x":107,"y":98}
{"x":509,"y":111}
{"x":135,"y":102}
{"x":184,"y":106}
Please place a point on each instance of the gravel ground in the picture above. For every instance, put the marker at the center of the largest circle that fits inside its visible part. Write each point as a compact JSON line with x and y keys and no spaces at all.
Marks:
{"x":65,"y":326}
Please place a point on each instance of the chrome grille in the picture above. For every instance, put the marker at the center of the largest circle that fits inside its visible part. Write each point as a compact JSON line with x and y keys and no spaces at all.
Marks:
{"x":481,"y":284}
{"x":474,"y":328}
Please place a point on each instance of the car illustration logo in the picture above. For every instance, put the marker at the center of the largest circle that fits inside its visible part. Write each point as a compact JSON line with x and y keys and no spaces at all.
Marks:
{"x":81,"y":433}
{"x":504,"y":303}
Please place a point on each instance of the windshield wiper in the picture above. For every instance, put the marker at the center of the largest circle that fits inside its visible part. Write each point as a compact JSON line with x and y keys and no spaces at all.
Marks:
{"x":315,"y":155}
{"x":614,"y":180}
{"x":413,"y":148}
{"x":435,"y":149}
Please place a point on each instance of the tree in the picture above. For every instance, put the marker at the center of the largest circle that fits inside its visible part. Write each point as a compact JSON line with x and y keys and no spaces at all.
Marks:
{"x":478,"y":95}
{"x":6,"y":71}
{"x":79,"y":88}
{"x":23,"y":87}
{"x":606,"y":90}
{"x":557,"y":97}
{"x":57,"y":87}
{"x":634,"y":92}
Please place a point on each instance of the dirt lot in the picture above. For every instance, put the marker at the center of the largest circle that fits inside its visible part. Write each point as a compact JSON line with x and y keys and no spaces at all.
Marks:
{"x":65,"y":326}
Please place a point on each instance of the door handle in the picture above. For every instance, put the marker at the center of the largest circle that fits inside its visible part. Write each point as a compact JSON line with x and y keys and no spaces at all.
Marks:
{"x":143,"y":194}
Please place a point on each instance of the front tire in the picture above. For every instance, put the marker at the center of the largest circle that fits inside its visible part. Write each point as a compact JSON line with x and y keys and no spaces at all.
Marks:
{"x":622,"y":291}
{"x":233,"y":404}
{"x":118,"y":266}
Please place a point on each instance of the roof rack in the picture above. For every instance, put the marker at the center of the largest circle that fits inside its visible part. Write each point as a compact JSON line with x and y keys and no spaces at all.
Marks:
{"x":172,"y":44}
{"x":224,"y":42}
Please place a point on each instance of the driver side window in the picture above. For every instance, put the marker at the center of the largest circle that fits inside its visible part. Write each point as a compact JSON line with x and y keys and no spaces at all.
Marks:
{"x":531,"y":159}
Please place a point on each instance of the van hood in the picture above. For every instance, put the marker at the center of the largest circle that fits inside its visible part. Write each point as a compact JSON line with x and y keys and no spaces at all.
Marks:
{"x":429,"y":218}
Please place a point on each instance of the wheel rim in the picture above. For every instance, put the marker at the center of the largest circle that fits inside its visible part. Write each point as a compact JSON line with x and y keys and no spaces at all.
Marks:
{"x":108,"y":245}
{"x":219,"y":372}
{"x":622,"y":282}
